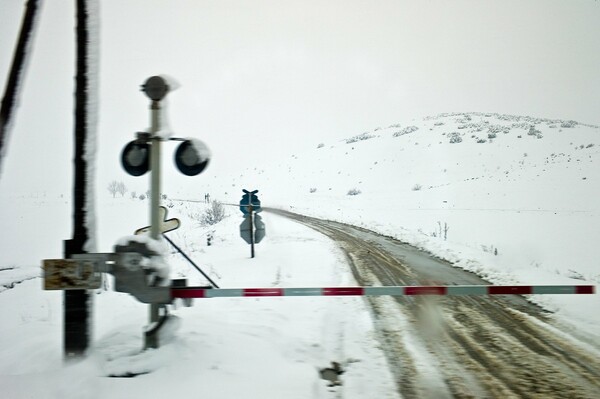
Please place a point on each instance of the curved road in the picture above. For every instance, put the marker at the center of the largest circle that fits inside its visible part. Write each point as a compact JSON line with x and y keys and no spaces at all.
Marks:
{"x":461,"y":347}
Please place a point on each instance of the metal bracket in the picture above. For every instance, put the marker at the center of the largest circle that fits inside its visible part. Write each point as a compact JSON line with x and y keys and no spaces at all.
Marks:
{"x":131,"y":278}
{"x":84,"y":271}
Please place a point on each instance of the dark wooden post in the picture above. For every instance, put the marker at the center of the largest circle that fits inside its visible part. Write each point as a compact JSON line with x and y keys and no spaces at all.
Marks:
{"x":251,"y":209}
{"x":15,"y":76}
{"x":77,"y":303}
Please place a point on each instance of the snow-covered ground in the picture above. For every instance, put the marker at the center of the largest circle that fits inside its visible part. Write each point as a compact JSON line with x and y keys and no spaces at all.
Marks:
{"x":519,"y":208}
{"x":521,"y":187}
{"x":227,"y":347}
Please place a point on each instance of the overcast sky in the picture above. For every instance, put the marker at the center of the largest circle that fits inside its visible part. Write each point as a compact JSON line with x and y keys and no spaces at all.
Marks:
{"x":265,"y":79}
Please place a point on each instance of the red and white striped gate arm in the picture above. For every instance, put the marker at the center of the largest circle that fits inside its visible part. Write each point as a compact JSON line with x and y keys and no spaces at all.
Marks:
{"x":196,"y":292}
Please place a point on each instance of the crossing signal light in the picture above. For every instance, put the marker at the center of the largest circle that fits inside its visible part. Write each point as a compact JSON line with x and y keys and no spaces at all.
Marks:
{"x":192,"y":157}
{"x":135,"y":158}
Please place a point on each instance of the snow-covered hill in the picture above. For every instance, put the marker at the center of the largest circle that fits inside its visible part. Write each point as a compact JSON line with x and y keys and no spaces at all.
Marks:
{"x":513,"y":198}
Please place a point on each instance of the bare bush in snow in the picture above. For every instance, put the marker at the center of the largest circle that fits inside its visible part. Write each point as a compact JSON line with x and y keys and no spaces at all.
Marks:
{"x":353,"y":191}
{"x":212,"y":215}
{"x":121,"y":188}
{"x":443,"y":231}
{"x":113,"y":188}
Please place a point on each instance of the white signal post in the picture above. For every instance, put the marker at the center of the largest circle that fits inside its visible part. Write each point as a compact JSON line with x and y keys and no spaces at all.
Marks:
{"x":156,"y":89}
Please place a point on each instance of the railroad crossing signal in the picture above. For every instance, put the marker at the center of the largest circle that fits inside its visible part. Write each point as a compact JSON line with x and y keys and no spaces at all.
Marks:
{"x":249,"y":199}
{"x":259,"y":226}
{"x":142,"y":155}
{"x":246,"y":228}
{"x":252,"y":229}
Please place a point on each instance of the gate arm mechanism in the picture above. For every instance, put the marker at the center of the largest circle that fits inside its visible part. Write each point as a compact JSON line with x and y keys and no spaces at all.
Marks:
{"x":84,"y":271}
{"x":454,"y":290}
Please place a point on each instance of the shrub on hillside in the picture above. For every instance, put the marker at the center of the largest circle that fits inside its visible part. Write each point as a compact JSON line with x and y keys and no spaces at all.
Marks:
{"x":533,"y":131}
{"x":360,"y":137}
{"x":406,"y":130}
{"x":498,"y":129}
{"x":520,"y":125}
{"x":455,"y":138}
{"x":353,"y":191}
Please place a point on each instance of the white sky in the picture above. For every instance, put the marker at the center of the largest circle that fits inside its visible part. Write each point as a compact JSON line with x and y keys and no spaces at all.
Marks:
{"x":263,"y":78}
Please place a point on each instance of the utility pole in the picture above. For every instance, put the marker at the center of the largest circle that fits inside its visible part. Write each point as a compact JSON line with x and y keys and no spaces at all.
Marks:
{"x":11,"y":92}
{"x":77,"y":303}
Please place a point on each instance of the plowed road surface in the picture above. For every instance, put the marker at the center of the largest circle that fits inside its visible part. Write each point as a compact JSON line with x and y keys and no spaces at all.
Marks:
{"x":461,"y":347}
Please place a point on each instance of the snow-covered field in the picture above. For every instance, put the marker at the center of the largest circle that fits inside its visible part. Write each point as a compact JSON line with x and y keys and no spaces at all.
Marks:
{"x":269,"y":347}
{"x":521,"y":187}
{"x":519,"y":208}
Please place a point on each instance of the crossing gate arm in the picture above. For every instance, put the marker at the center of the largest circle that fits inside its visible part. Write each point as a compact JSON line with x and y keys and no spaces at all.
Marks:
{"x":449,"y":290}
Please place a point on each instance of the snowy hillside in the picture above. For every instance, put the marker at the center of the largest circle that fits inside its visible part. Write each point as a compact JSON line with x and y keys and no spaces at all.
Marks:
{"x":515,"y":196}
{"x":511,"y":198}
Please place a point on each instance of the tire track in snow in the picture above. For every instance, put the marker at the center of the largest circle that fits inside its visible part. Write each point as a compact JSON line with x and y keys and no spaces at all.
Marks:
{"x":487,"y":346}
